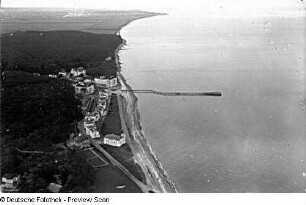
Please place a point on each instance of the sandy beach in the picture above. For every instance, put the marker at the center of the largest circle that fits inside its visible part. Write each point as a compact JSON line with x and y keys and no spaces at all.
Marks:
{"x":155,"y":174}
{"x":157,"y":178}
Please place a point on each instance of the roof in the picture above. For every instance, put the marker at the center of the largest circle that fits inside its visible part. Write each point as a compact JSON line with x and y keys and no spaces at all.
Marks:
{"x":80,"y":84}
{"x":78,"y":68}
{"x":100,"y":77}
{"x":10,"y":175}
{"x":88,"y":77}
{"x":84,"y":84}
{"x":89,"y":121}
{"x":55,"y":188}
{"x":100,"y":107}
{"x":87,"y":80}
{"x":113,"y":137}
{"x":92,"y":128}
{"x":103,"y":95}
{"x":103,"y":90}
{"x":93,"y":114}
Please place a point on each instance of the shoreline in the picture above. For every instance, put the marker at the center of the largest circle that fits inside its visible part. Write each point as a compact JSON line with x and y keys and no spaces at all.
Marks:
{"x":156,"y":175}
{"x":145,"y":156}
{"x":132,"y":20}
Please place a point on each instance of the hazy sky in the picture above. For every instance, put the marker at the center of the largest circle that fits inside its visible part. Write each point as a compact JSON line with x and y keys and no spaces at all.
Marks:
{"x":228,"y":6}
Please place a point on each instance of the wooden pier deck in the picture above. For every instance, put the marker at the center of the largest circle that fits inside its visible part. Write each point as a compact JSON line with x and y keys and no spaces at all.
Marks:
{"x":215,"y":94}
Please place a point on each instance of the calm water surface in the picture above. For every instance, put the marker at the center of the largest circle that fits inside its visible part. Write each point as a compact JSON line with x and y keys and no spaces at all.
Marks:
{"x":252,"y":139}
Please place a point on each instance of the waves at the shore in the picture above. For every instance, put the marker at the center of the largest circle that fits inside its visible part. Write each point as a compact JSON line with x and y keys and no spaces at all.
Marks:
{"x":160,"y":177}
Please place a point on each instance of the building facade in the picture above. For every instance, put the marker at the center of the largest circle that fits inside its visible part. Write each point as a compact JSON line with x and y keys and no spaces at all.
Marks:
{"x":84,"y":88}
{"x":115,"y":140}
{"x":10,"y":181}
{"x":92,"y":131}
{"x":78,"y":71}
{"x":112,"y":82}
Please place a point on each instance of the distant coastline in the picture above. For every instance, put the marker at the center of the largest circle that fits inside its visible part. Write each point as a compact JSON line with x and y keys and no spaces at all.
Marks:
{"x":144,"y":155}
{"x":150,"y":14}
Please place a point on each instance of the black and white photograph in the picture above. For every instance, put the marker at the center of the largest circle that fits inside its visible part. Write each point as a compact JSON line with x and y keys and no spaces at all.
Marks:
{"x":152,"y":96}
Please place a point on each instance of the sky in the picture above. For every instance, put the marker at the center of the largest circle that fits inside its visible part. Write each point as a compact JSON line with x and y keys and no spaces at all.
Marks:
{"x":237,"y":7}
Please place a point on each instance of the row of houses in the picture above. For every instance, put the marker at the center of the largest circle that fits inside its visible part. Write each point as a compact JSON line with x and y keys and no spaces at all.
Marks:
{"x":99,"y":81}
{"x":84,"y":87}
{"x":107,"y":82}
{"x":74,"y":72}
{"x":10,"y":183}
{"x":91,"y":119}
{"x":97,"y":106}
{"x":99,"y":111}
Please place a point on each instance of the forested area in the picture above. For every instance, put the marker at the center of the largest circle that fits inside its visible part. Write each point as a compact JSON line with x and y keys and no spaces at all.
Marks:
{"x":49,"y":52}
{"x":38,"y":112}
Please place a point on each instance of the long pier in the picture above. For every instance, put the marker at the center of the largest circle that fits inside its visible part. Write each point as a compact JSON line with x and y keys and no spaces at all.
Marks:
{"x":216,"y":94}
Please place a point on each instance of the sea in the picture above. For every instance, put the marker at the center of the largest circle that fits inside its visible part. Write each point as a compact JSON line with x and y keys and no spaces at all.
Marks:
{"x":252,"y":138}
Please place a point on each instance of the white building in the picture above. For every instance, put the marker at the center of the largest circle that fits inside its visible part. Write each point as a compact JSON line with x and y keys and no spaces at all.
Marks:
{"x":88,"y":121}
{"x":78,"y":71}
{"x":102,"y":110}
{"x":63,"y":73}
{"x":101,"y":81}
{"x":104,"y":93}
{"x":55,"y":188}
{"x":106,"y":82}
{"x":92,"y":131}
{"x":95,"y":116}
{"x":87,"y":81}
{"x":108,"y":58}
{"x":114,"y":140}
{"x":113,"y":82}
{"x":85,"y":88}
{"x":10,"y":181}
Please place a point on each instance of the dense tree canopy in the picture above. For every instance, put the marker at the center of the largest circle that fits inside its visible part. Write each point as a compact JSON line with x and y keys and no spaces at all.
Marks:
{"x":36,"y":113}
{"x":105,"y":68}
{"x":48,"y":52}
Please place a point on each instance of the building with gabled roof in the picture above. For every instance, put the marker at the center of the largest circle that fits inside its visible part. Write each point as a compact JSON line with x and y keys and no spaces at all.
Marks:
{"x":88,"y":121}
{"x":115,"y":140}
{"x":94,"y":116}
{"x":92,"y":131}
{"x":84,"y":88}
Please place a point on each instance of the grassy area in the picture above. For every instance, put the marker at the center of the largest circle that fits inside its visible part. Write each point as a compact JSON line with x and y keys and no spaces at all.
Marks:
{"x":108,"y":177}
{"x":112,"y":125}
